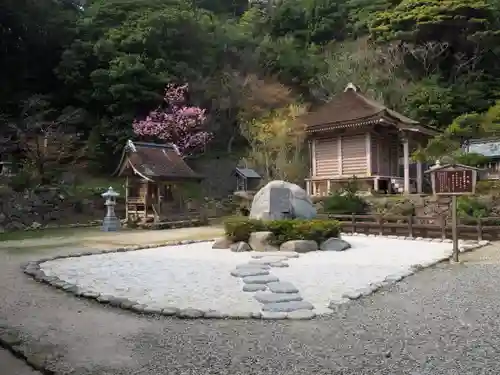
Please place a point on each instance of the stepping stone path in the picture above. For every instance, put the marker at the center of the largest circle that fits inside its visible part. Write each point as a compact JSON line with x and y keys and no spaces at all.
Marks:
{"x":279,"y":299}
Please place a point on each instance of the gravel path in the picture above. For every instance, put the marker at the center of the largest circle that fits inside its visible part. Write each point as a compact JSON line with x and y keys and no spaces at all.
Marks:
{"x":10,"y":365}
{"x":442,"y":320}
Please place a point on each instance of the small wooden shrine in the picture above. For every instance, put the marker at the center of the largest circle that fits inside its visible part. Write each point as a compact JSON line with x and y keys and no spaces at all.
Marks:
{"x":155,"y":175}
{"x":246,"y":179}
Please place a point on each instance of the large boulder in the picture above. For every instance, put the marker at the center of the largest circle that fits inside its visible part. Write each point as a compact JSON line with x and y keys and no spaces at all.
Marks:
{"x":281,"y":199}
{"x":334,"y":244}
{"x":222,"y":243}
{"x":299,"y":246}
{"x":259,"y":241}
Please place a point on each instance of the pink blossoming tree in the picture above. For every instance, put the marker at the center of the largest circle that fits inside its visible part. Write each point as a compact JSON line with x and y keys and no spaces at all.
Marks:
{"x":175,"y":122}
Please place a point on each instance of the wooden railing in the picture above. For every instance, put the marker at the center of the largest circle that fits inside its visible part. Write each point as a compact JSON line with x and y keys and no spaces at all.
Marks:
{"x":486,"y":228}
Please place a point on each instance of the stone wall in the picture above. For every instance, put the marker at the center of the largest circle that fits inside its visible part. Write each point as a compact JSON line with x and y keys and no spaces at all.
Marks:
{"x":47,"y":206}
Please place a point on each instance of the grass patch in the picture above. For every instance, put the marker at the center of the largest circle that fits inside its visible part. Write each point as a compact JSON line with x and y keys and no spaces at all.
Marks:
{"x":48,"y":233}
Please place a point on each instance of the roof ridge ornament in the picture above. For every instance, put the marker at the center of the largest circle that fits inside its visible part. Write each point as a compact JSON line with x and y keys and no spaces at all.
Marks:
{"x":351,"y":86}
{"x":131,"y":146}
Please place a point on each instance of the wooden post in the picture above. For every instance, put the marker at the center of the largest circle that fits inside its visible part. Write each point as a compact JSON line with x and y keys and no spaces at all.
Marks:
{"x":406,"y":165}
{"x":126,"y":198}
{"x":146,"y":191}
{"x":158,"y":192}
{"x":368,"y":151}
{"x":443,"y":227}
{"x":454,"y":227}
{"x":479,"y":229}
{"x":410,"y":226}
{"x":380,"y":225}
{"x":419,"y":178}
{"x":353,"y":222}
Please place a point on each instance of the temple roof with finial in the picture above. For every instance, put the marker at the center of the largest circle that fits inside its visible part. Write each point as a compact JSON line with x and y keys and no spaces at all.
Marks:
{"x":153,"y":162}
{"x":351,"y":108}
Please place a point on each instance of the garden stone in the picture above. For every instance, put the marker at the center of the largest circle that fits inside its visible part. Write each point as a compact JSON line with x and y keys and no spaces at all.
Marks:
{"x":139,"y":308}
{"x":352,"y":294}
{"x":152,"y":310}
{"x":125,"y":303}
{"x":169,"y":311}
{"x":266,"y":260}
{"x":212,"y":314}
{"x":254,"y":287}
{"x":253,"y":266}
{"x":264,"y":279}
{"x":259,"y":241}
{"x":299,"y":246}
{"x":241,"y":315}
{"x":90,"y":294}
{"x":301,"y":315}
{"x":288,"y":306}
{"x":484,"y":242}
{"x":288,"y":254}
{"x":279,"y":265}
{"x":298,"y":202}
{"x":190,"y":313}
{"x":282,"y":287}
{"x":272,"y":315}
{"x":222,"y":243}
{"x":249,"y":272}
{"x":334,"y":244}
{"x":104,"y":298}
{"x":240,"y":247}
{"x":277,"y":297}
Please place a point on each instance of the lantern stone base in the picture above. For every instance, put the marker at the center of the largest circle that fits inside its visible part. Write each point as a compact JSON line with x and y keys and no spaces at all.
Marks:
{"x":111,"y":224}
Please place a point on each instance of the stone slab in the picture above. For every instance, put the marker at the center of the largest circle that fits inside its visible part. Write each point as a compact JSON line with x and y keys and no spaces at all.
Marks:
{"x":244,"y":272}
{"x":267,"y":260}
{"x":253,"y":266}
{"x":279,"y":265}
{"x":288,"y":254}
{"x":288,"y":306}
{"x":277,"y":297}
{"x":263,"y":279}
{"x":301,"y":315}
{"x":254,"y":287}
{"x":282,"y":287}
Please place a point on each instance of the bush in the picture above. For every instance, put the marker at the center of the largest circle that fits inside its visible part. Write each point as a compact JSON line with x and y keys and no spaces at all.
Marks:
{"x":470,"y":207}
{"x":346,"y":201}
{"x":315,"y":230}
{"x":239,"y":229}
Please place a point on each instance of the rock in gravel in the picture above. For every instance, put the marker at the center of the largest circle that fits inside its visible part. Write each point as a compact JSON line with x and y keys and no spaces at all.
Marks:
{"x":254,"y":287}
{"x":277,"y":297}
{"x":152,"y":309}
{"x":267,"y":260}
{"x":89,"y":294}
{"x":288,"y":306}
{"x":259,"y":241}
{"x":301,"y":315}
{"x":212,"y":314}
{"x":288,"y":254}
{"x":249,"y":272}
{"x":282,"y":287}
{"x":241,"y":315}
{"x":253,"y":266}
{"x":104,"y":298}
{"x":190,"y":313}
{"x":272,"y":315}
{"x":240,"y":247}
{"x":334,"y":244}
{"x":138,"y":307}
{"x":264,"y":279}
{"x":222,"y":243}
{"x":279,"y":265}
{"x":299,"y":246}
{"x":169,"y":311}
{"x":352,"y":294}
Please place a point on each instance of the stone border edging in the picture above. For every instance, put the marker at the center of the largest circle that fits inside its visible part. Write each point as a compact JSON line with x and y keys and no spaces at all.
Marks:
{"x":464,"y":246}
{"x":33,"y":269}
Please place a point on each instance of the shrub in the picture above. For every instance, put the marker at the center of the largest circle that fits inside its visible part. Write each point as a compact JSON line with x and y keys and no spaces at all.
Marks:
{"x":239,"y":228}
{"x":315,"y":230}
{"x":468,"y":207}
{"x":346,"y":201}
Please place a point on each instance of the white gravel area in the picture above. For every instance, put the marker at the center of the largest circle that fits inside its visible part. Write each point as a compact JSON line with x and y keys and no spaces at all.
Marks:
{"x":322,"y":277}
{"x":197,"y":276}
{"x":183,"y":276}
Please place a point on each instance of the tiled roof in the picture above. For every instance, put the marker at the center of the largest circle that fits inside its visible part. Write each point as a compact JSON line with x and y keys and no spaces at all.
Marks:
{"x":247,"y":172}
{"x":350,"y":107}
{"x":155,"y":162}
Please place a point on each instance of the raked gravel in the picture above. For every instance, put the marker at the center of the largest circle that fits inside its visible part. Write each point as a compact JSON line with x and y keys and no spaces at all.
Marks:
{"x":198,"y":280}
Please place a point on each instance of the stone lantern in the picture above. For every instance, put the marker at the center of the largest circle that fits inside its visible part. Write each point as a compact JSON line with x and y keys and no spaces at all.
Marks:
{"x":110,"y":222}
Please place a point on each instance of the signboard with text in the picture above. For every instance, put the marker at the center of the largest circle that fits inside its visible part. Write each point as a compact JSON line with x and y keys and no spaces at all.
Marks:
{"x":453,"y":179}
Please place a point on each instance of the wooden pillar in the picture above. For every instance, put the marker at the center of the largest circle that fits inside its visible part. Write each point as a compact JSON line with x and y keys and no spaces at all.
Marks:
{"x":368,"y":140}
{"x":339,"y":155}
{"x":146,"y":190}
{"x":328,"y":186}
{"x":158,"y":193}
{"x":126,"y":198}
{"x":308,"y":188}
{"x":313,"y":158}
{"x":406,"y":165}
{"x":420,"y":180}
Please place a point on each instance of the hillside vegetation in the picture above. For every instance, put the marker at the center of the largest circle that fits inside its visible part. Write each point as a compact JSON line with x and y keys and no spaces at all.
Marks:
{"x":93,"y":68}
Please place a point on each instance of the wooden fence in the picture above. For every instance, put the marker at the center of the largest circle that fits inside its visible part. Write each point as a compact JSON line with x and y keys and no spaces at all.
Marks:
{"x":486,"y":228}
